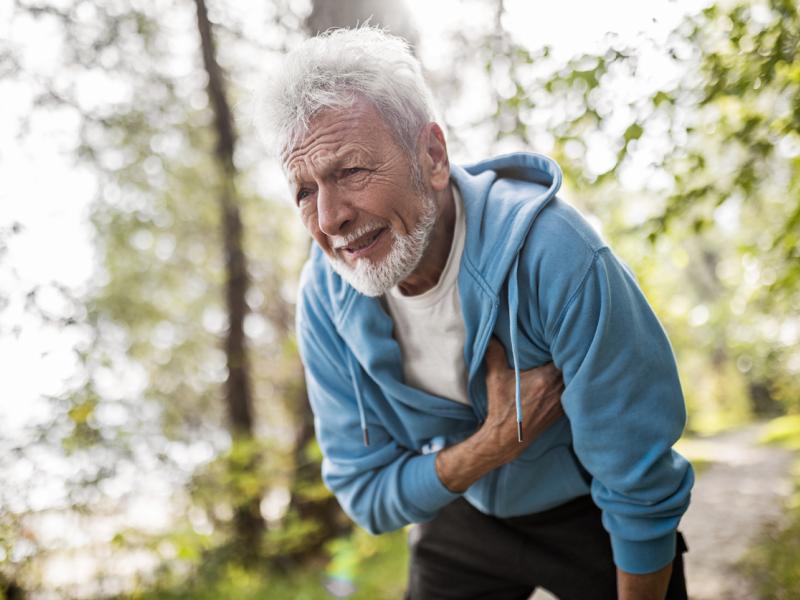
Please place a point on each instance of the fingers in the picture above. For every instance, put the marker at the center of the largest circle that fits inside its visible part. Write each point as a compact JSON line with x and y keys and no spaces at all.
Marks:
{"x":541,"y":380}
{"x":540,"y":412}
{"x":548,"y":372}
{"x":542,"y":387}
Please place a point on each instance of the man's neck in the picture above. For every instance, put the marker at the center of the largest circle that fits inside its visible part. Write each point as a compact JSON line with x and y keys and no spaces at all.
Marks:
{"x":433,"y":262}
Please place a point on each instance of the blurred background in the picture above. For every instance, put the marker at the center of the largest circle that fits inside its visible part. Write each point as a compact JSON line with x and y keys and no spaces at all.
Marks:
{"x":155,"y":437}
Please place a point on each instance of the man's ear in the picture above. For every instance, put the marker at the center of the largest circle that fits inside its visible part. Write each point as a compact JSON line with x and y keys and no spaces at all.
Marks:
{"x":434,"y":154}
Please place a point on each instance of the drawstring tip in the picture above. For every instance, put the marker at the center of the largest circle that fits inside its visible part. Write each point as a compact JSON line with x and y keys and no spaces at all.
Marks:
{"x":520,"y":438}
{"x":366,"y":436}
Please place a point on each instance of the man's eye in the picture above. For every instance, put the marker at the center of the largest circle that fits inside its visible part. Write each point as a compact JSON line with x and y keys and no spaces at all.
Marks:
{"x":351,"y":171}
{"x":302,"y":194}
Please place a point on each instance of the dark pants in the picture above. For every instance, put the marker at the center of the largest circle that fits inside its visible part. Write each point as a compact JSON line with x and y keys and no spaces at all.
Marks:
{"x":463,"y":553}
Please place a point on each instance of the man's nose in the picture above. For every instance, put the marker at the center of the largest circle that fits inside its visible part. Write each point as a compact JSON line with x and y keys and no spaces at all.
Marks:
{"x":334,"y":211}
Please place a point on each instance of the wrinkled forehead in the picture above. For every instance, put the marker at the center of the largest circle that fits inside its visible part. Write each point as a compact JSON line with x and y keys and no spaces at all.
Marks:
{"x":322,"y":161}
{"x":335,"y":134}
{"x":303,"y":132}
{"x":321,"y":154}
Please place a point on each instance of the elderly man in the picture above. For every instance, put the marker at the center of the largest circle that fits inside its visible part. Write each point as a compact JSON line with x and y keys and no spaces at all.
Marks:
{"x":438,"y":312}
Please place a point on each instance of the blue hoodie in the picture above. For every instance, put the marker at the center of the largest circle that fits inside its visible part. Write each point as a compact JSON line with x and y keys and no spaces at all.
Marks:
{"x":538,"y":277}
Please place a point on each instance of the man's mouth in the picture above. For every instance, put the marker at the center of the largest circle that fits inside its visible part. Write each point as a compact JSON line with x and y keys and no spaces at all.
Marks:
{"x":363,"y":244}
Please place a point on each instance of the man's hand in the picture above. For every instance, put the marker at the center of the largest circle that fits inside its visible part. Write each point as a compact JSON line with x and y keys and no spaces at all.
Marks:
{"x":540,"y":394}
{"x":495,"y":443}
{"x":652,"y":586}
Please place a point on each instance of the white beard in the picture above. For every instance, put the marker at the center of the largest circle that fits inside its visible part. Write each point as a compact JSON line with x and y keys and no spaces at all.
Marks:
{"x":375,"y":279}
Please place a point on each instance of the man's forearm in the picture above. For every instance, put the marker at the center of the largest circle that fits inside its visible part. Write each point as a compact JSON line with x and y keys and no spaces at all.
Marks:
{"x":650,"y":586}
{"x":461,"y":465}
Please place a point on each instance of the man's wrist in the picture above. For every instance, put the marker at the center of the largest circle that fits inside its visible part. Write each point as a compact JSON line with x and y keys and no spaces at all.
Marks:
{"x":461,"y":465}
{"x":649,"y":586}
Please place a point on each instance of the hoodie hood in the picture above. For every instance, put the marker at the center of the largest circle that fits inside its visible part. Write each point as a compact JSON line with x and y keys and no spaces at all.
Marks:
{"x":520,"y":186}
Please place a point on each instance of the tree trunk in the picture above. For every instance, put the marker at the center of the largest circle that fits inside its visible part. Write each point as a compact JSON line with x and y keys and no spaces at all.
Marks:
{"x":390,"y":14}
{"x":248,"y":521}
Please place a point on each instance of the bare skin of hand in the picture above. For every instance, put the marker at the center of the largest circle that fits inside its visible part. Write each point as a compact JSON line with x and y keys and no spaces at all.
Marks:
{"x":495,"y":443}
{"x":650,"y":586}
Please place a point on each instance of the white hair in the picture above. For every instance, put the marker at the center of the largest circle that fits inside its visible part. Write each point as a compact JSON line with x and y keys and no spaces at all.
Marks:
{"x":332,"y":70}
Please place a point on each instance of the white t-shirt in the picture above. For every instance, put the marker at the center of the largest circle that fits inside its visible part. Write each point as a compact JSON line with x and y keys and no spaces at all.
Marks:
{"x":429,"y":327}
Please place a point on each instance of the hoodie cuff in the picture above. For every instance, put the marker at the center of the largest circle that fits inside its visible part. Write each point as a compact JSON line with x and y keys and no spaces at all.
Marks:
{"x":426,"y":490}
{"x":643,"y":557}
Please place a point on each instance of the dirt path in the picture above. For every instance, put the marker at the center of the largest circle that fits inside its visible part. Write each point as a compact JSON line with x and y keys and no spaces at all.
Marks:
{"x":744,"y":488}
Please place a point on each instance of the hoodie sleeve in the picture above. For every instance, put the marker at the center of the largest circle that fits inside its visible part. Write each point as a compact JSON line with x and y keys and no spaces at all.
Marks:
{"x":382,"y":486}
{"x":623,"y":400}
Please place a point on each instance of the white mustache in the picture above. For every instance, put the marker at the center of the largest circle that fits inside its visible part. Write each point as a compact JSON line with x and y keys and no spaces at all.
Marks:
{"x":339,"y":242}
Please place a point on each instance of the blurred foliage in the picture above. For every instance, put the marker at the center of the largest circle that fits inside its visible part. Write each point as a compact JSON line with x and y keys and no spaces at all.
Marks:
{"x":773,"y":563}
{"x":694,"y":182}
{"x":784,"y":431}
{"x":376,"y":570}
{"x":148,"y":405}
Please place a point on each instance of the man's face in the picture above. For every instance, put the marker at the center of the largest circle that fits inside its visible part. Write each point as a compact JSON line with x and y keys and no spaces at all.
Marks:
{"x":358,"y":197}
